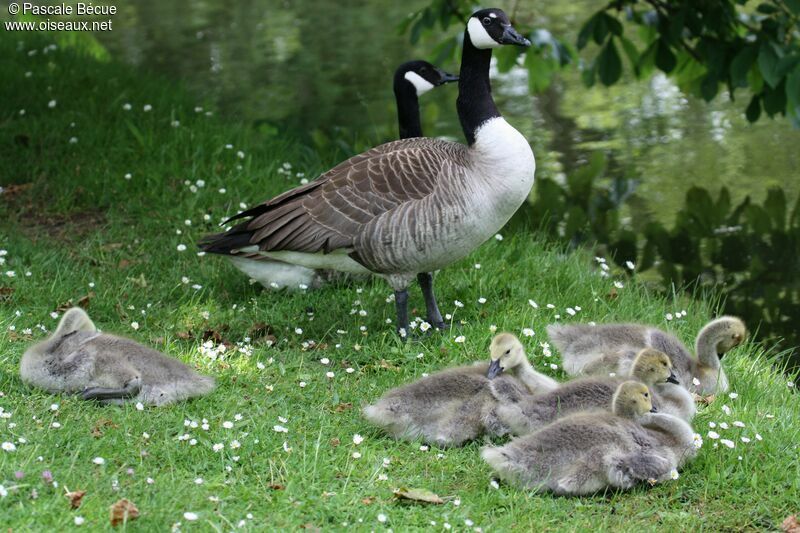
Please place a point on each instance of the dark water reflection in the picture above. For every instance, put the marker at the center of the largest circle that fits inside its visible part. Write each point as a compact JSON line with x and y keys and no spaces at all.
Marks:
{"x":308,"y":65}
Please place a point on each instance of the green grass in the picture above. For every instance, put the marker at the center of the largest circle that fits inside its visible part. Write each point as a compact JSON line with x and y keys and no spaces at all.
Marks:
{"x":82,"y":223}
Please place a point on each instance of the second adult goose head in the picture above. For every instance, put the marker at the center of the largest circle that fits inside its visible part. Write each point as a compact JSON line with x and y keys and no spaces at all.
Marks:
{"x":407,"y":208}
{"x":411,"y":80}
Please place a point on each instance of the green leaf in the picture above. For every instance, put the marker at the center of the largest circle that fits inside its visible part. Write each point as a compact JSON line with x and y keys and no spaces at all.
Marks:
{"x":775,"y":100}
{"x":768,"y":63}
{"x":507,"y":57}
{"x":586,"y":31}
{"x":709,"y":87}
{"x":665,"y":58}
{"x":600,"y":29}
{"x":753,"y":110}
{"x":631,"y":53}
{"x":793,"y":90}
{"x":775,"y":206}
{"x":758,"y":219}
{"x":609,"y":64}
{"x":741,"y":65}
{"x":614,"y":25}
{"x":793,"y":5}
{"x":767,"y":9}
{"x":540,"y":72}
{"x":588,"y":74}
{"x":418,"y":495}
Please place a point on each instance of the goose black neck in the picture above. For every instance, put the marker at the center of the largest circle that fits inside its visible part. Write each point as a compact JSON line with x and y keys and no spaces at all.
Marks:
{"x":407,"y":109}
{"x":475,"y":105}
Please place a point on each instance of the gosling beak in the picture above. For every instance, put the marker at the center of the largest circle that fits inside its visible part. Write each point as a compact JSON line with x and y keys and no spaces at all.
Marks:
{"x":511,"y":36}
{"x":494,"y":369}
{"x":653,"y":409}
{"x":446,"y":77}
{"x":672,"y":378}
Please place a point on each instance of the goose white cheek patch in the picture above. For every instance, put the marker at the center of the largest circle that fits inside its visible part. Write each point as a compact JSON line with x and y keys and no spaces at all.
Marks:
{"x":421,"y":84}
{"x":479,"y":36}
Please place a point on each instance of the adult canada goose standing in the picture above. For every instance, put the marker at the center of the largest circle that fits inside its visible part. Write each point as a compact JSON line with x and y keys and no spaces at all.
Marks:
{"x":411,"y":80}
{"x":406,"y":208}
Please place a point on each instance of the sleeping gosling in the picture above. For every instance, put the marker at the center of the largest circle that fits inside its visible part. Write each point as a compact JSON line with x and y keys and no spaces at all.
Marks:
{"x":527,"y":413}
{"x":453,"y":406}
{"x":594,"y":450}
{"x":77,"y":358}
{"x":607,"y":348}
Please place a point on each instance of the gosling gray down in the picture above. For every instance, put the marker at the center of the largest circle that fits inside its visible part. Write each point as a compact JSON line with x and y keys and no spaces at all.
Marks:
{"x":453,"y":406}
{"x":527,"y":413}
{"x":594,"y":450}
{"x":607,"y":348}
{"x":77,"y":358}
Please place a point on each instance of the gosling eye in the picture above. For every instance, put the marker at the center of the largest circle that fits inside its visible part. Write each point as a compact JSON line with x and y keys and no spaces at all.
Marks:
{"x":646,"y":395}
{"x":487,"y":21}
{"x":507,"y":352}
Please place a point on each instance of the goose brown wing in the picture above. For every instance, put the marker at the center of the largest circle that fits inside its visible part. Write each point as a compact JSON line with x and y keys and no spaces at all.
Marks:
{"x":328,"y":213}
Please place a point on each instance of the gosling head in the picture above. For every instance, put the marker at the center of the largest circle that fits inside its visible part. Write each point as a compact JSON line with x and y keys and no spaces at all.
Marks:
{"x":490,"y":28}
{"x":74,"y":319}
{"x":724,"y":334}
{"x":420,"y":77}
{"x":652,"y":366}
{"x":632,"y":400}
{"x":506,"y":353}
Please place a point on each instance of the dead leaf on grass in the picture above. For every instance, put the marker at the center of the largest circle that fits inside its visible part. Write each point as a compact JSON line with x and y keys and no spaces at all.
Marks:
{"x":75,"y":498}
{"x":97,"y":430}
{"x":123,"y":511}
{"x":791,"y":525}
{"x":368,"y":500}
{"x":343,"y":407}
{"x":276,"y":486}
{"x":418,"y":495}
{"x":335,"y":442}
{"x":5,"y":293}
{"x":708,"y":400}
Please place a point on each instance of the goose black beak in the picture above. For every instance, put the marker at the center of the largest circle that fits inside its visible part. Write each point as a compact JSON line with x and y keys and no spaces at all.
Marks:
{"x":511,"y":36}
{"x":494,"y":370}
{"x":446,"y":77}
{"x":653,"y":409}
{"x":673,"y":379}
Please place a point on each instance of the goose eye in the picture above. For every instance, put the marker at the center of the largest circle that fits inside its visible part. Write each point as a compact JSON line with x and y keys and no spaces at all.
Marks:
{"x":486,"y":21}
{"x":646,"y":395}
{"x":507,"y":352}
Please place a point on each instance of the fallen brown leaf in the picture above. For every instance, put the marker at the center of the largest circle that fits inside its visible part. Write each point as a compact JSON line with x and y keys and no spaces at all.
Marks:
{"x":124,"y":263}
{"x":123,"y":511}
{"x":368,"y":500}
{"x":111,"y":246}
{"x":259,"y":330}
{"x":708,"y":400}
{"x":335,"y":442}
{"x":791,"y":525}
{"x":343,"y":407}
{"x":387,"y":365}
{"x":185,"y":335}
{"x":5,"y":293}
{"x":418,"y":495}
{"x":97,"y":430}
{"x":276,"y":486}
{"x":75,"y":498}
{"x":13,"y":189}
{"x":612,"y":294}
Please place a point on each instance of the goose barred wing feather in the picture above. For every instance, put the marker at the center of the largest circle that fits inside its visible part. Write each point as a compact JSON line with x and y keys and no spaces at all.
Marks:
{"x":330,"y":212}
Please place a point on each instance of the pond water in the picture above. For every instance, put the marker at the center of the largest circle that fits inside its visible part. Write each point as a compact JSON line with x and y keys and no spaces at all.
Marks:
{"x":309,"y":66}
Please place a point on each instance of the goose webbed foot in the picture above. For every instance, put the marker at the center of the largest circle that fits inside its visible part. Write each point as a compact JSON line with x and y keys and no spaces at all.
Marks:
{"x":434,"y":316}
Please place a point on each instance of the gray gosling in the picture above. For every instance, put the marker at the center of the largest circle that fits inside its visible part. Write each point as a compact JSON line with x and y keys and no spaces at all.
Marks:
{"x":453,"y":406}
{"x":611,"y":348}
{"x":594,"y":450}
{"x":113,"y":370}
{"x":527,"y":413}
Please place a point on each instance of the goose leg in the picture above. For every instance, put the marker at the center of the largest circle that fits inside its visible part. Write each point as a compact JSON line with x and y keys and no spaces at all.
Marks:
{"x":401,"y":306}
{"x":435,"y":319}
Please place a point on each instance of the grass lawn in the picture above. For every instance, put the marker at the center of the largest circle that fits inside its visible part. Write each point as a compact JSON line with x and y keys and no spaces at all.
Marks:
{"x":85,"y":230}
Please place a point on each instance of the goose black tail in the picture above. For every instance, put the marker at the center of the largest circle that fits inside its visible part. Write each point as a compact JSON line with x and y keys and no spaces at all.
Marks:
{"x":226,"y":242}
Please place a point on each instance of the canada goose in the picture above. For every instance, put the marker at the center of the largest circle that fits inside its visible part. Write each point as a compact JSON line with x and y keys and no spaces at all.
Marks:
{"x":453,"y":406}
{"x":406,"y":208}
{"x":611,"y":348}
{"x":528,"y":412}
{"x":411,"y":80}
{"x":507,"y":353}
{"x":79,"y":359}
{"x":589,"y":451}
